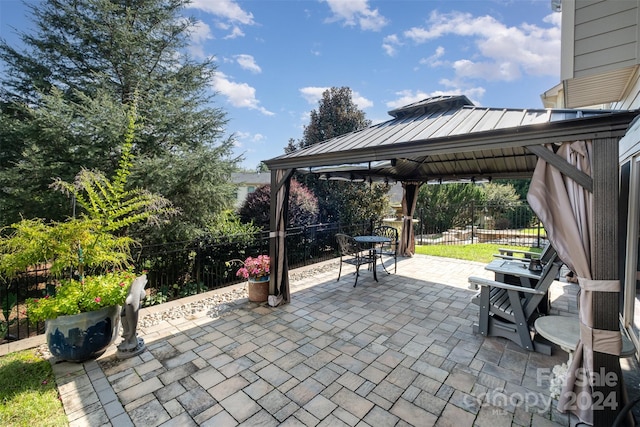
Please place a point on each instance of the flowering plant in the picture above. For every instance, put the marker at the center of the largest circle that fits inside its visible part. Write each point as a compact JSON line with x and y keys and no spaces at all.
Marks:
{"x":254,"y":267}
{"x":78,"y":296}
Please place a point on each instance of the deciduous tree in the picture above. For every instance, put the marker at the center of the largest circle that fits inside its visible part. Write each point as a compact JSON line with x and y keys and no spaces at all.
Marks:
{"x":303,"y":206}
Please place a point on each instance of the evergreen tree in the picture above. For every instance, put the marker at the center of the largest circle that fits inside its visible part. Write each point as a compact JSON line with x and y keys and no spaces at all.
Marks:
{"x":339,"y":201}
{"x":64,"y":100}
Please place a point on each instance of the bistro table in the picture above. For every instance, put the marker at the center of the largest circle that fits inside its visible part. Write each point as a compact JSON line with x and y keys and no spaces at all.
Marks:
{"x":517,"y":273}
{"x":565,"y":332}
{"x":372,"y":241}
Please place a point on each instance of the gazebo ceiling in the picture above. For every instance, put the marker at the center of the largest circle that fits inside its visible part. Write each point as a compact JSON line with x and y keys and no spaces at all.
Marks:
{"x":448,"y":138}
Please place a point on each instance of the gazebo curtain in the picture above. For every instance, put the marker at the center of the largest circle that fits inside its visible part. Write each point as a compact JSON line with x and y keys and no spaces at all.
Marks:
{"x":279,"y":280}
{"x":409,"y":200}
{"x":567,"y":212}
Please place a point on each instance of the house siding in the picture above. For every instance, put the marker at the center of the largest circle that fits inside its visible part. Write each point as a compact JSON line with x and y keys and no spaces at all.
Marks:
{"x":606,"y":36}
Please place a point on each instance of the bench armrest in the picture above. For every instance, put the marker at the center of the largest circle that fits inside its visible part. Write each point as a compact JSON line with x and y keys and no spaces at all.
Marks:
{"x":480,"y":281}
{"x":505,"y":251}
{"x":511,"y":258}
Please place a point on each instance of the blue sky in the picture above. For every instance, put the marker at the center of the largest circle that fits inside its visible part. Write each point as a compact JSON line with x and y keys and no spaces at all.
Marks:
{"x":276,"y":57}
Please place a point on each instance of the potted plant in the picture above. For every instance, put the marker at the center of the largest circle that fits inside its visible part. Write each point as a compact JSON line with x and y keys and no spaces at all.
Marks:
{"x":88,"y":257}
{"x":256,"y":271}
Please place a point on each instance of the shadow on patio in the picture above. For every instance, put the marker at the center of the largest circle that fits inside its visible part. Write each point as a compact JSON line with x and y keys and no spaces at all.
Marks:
{"x":395,"y":352}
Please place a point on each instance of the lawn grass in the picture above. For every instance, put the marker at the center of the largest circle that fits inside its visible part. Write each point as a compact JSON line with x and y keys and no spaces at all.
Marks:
{"x":28,"y":393}
{"x":481,"y":252}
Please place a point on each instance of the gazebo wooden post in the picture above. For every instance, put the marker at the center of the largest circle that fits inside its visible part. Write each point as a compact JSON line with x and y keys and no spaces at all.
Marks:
{"x":608,"y":388}
{"x":278,"y":218}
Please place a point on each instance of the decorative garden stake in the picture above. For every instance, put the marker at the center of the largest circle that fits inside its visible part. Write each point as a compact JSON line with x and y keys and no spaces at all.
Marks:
{"x":132,"y":344}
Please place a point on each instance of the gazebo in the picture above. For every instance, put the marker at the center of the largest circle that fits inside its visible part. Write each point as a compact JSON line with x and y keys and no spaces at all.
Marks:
{"x":449,"y":139}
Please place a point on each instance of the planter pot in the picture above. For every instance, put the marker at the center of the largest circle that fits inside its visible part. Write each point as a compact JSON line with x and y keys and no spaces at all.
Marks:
{"x":259,"y":289}
{"x":83,"y":336}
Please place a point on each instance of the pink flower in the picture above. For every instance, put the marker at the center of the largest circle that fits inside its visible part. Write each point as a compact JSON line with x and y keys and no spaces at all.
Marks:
{"x":255,"y":267}
{"x":98,"y":299}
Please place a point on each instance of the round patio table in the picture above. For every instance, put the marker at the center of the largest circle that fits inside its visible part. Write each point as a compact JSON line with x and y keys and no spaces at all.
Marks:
{"x":372,"y":241}
{"x":565,"y":332}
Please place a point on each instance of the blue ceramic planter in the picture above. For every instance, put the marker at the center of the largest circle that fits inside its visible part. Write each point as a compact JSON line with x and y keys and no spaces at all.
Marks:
{"x":83,"y":336}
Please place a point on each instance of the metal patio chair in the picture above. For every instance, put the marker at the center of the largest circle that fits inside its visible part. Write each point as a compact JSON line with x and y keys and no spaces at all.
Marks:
{"x":389,"y":249}
{"x":351,"y":253}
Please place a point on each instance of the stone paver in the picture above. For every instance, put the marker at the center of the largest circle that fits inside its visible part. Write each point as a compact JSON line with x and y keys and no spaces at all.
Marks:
{"x":398,"y":352}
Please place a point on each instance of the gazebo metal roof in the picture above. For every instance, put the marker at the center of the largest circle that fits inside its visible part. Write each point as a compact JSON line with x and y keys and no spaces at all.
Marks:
{"x":448,"y":138}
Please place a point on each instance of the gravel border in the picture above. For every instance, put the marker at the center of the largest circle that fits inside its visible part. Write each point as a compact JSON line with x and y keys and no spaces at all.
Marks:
{"x":219,"y":304}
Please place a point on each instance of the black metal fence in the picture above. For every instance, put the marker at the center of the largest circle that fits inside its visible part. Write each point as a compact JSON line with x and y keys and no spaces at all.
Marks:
{"x":515,"y":224}
{"x":181,"y":269}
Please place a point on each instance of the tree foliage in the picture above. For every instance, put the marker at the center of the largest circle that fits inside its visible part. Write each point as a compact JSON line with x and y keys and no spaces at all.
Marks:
{"x":303,"y":206}
{"x":64,"y":97}
{"x":521,"y":186}
{"x":502,"y":202}
{"x":445,"y":206}
{"x":97,"y":237}
{"x":493,"y":205}
{"x":335,"y":116}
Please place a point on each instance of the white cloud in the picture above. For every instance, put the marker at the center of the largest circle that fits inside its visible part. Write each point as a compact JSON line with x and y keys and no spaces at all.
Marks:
{"x":199,"y":33}
{"x":389,"y":44}
{"x":225,"y":9}
{"x":248,"y":136}
{"x":247,"y":62}
{"x":234,"y":34}
{"x":316,"y":49}
{"x":356,"y":12}
{"x":474,"y":93}
{"x":314,"y":94}
{"x":361,"y":101}
{"x":503,"y":53}
{"x":239,"y":95}
{"x":434,"y":60}
{"x":406,"y":97}
{"x":228,"y":15}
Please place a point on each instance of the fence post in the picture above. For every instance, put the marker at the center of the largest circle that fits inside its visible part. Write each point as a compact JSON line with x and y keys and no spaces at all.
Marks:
{"x":306,"y":246}
{"x":421,"y":225}
{"x":473,"y":220}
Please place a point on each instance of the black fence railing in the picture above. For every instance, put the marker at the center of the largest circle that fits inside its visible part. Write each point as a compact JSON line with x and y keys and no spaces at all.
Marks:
{"x":181,"y":269}
{"x":515,"y":224}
